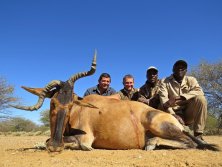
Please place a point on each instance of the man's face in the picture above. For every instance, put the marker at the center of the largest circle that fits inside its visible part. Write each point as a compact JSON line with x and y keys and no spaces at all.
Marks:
{"x":152,"y":76}
{"x":128,"y":84}
{"x":179,"y":71}
{"x":104,"y":83}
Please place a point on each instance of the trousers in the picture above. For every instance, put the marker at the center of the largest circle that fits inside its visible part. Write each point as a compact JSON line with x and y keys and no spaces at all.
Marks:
{"x":195,"y":113}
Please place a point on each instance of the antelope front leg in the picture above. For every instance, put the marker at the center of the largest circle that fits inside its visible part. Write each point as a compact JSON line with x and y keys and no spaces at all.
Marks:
{"x":71,"y":142}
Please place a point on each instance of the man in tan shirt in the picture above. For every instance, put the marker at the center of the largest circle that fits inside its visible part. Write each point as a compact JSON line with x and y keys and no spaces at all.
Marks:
{"x":183,"y":97}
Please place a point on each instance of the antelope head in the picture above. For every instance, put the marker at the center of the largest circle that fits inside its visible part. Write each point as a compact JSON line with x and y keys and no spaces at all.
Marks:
{"x":62,"y":100}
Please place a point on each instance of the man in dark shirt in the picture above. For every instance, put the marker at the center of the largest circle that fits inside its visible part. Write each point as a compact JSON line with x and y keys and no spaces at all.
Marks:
{"x":148,"y":93}
{"x":128,"y":92}
{"x":103,"y":88}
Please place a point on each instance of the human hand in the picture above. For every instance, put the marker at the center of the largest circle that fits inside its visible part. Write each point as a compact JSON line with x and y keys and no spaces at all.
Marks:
{"x":154,"y":101}
{"x":143,"y":100}
{"x":169,"y":103}
{"x":180,"y":100}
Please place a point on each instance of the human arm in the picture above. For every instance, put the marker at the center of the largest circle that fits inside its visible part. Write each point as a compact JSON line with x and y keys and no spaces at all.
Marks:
{"x":86,"y":93}
{"x":153,"y":101}
{"x":191,"y":88}
{"x":143,"y":100}
{"x":112,"y":91}
{"x":144,"y":94}
{"x":165,"y":101}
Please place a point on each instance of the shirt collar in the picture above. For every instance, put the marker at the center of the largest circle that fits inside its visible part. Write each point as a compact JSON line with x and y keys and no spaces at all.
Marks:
{"x":127,"y":92}
{"x":183,"y":81}
{"x":105,"y":92}
{"x":150,"y":85}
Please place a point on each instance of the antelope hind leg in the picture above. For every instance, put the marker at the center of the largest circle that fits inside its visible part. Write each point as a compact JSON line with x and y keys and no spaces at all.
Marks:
{"x":157,"y":141}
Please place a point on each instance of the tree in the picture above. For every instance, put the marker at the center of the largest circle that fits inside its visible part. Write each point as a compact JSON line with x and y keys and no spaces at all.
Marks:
{"x":44,"y":117}
{"x":6,"y":97}
{"x":209,"y":76}
{"x":18,"y":124}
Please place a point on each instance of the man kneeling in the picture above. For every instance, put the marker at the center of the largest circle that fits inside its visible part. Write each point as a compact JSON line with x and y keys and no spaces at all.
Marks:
{"x":183,"y":97}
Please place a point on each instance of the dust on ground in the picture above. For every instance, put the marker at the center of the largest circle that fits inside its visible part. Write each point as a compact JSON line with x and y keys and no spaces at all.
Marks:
{"x":14,"y":152}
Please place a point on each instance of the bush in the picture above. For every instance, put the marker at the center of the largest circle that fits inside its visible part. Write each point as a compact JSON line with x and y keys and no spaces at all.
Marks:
{"x":212,"y":122}
{"x":18,"y":124}
{"x":212,"y":126}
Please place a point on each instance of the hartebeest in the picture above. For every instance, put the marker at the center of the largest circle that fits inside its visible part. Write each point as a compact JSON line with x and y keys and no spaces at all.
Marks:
{"x":100,"y":122}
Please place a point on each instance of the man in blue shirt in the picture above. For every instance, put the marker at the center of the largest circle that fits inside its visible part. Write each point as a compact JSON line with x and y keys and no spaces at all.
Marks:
{"x":103,"y":88}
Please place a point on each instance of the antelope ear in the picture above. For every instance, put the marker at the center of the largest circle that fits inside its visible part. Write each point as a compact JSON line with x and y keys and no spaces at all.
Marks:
{"x":80,"y":103}
{"x":38,"y":91}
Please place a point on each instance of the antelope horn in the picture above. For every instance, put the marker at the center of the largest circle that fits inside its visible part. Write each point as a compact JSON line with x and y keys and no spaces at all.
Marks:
{"x":35,"y":91}
{"x":84,"y":74}
{"x":42,"y":96}
{"x":38,"y":91}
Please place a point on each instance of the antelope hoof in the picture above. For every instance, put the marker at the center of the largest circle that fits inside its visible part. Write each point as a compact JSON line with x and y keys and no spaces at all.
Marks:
{"x":85,"y":147}
{"x":150,"y":147}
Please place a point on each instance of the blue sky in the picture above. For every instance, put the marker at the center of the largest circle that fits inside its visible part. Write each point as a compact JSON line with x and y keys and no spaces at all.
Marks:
{"x":44,"y":40}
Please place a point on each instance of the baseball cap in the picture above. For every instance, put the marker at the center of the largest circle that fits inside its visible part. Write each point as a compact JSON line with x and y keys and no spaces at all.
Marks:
{"x":180,"y":62}
{"x":152,"y":68}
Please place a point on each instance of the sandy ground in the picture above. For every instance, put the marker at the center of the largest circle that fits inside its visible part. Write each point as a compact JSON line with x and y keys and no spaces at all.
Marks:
{"x":12,"y":154}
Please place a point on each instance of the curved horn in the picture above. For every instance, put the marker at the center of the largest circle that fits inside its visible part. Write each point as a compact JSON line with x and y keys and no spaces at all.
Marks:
{"x":35,"y":91}
{"x":84,"y":74}
{"x":42,"y":96}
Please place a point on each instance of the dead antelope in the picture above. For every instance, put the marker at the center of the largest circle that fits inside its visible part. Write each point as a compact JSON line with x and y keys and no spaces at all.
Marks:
{"x":99,"y":122}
